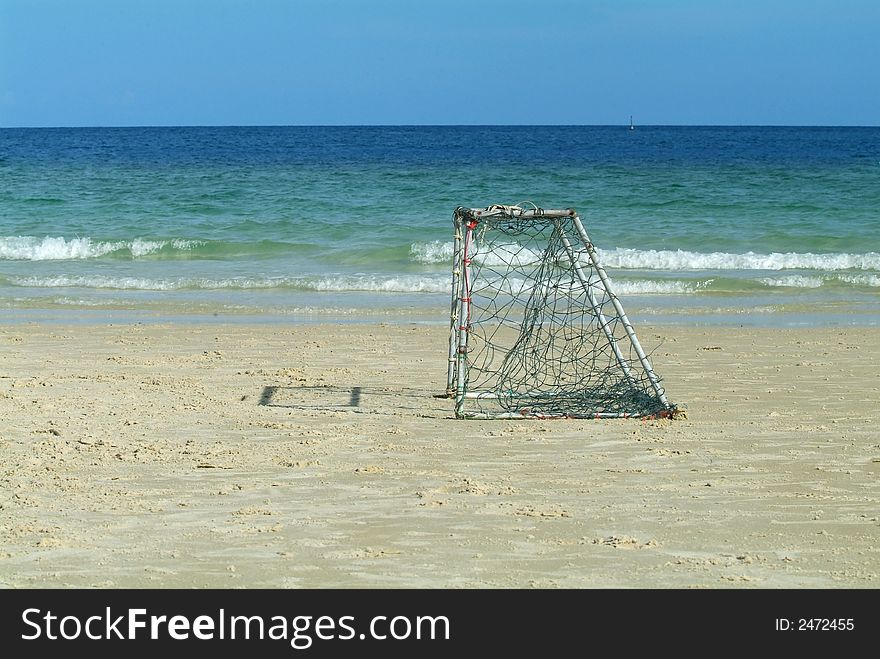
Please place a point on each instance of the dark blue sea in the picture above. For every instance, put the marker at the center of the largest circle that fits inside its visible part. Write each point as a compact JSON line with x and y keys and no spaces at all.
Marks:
{"x":744,"y":225}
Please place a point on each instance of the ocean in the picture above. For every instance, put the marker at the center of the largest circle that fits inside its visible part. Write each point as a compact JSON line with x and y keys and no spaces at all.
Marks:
{"x":772,"y":226}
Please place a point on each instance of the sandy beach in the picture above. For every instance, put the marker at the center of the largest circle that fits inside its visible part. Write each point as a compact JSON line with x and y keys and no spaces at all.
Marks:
{"x":215,"y":455}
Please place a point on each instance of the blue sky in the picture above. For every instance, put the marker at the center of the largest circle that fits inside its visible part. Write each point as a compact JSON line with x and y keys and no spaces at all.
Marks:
{"x":253,"y":62}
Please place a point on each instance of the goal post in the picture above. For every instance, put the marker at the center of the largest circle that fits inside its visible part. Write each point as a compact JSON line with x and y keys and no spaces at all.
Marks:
{"x":535,"y":328}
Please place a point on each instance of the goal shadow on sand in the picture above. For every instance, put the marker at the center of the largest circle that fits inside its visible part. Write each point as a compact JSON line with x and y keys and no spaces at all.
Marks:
{"x":365,"y":400}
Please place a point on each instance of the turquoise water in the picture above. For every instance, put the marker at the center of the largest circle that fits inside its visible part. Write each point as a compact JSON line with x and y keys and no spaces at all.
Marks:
{"x":695,"y":224}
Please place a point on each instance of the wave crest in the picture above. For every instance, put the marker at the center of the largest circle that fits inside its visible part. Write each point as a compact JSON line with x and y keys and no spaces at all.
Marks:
{"x":58,"y":248}
{"x":684,"y":260}
{"x":338,"y":283}
{"x":671,"y":260}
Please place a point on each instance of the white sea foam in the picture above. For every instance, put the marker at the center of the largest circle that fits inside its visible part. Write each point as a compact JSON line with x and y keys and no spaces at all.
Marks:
{"x":30,"y":248}
{"x":412,"y":283}
{"x":433,"y":252}
{"x":146,"y":284}
{"x":861,"y":280}
{"x":82,"y":302}
{"x":670,"y":260}
{"x":140,"y":247}
{"x":649,"y":287}
{"x":58,"y":248}
{"x":513,"y":285}
{"x":98,"y":281}
{"x":500,"y":254}
{"x":809,"y":281}
{"x":337,"y":283}
{"x":380,"y":284}
{"x":794,"y":281}
{"x":685,"y":260}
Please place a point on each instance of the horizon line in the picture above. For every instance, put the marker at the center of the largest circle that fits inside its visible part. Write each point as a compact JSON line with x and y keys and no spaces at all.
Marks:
{"x":451,"y":125}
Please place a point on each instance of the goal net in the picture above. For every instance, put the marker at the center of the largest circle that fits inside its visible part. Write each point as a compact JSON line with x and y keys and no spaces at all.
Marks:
{"x":536,"y":330}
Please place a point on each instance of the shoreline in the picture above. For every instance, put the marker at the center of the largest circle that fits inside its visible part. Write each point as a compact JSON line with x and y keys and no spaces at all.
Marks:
{"x":640,"y":312}
{"x":254,"y":455}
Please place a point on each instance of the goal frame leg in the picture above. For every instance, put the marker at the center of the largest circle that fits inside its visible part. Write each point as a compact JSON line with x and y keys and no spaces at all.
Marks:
{"x":618,"y":307}
{"x":464,"y":317}
{"x":452,"y":370}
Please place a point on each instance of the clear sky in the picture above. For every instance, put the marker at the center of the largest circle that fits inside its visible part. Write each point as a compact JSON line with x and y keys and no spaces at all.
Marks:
{"x":243,"y":62}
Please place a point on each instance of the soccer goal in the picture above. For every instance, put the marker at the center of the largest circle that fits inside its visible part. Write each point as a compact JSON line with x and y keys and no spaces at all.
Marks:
{"x":536,"y":330}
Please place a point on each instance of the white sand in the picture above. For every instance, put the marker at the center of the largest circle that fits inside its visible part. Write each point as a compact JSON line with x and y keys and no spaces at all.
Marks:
{"x":316,"y":456}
